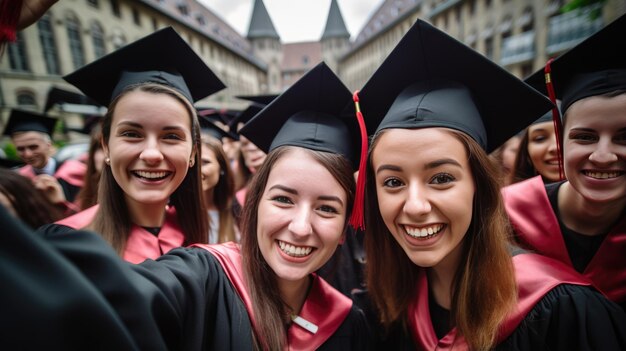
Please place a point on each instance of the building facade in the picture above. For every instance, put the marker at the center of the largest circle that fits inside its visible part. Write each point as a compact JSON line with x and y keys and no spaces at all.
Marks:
{"x":520,"y":35}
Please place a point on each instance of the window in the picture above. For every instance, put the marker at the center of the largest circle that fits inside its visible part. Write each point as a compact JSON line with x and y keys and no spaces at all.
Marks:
{"x":155,"y":24}
{"x":115,"y":8}
{"x":489,"y":47}
{"x":97,"y":36}
{"x":182,"y":7}
{"x":48,"y":44}
{"x":136,"y":17}
{"x":305,"y":60}
{"x":94,"y":3}
{"x":17,"y":55}
{"x":26,"y":99}
{"x":75,"y":41}
{"x":118,"y":39}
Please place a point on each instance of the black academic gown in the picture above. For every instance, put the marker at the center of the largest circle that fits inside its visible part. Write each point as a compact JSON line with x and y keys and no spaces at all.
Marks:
{"x":182,"y":301}
{"x":564,"y":314}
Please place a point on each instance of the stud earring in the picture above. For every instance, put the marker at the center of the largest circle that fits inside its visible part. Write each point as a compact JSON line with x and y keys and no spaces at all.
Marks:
{"x":191,"y":162}
{"x":107,"y":161}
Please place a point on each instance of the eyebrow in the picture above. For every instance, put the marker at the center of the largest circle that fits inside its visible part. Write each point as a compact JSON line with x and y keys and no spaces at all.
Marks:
{"x":295,"y":192}
{"x":137,"y":125}
{"x":430,"y":165}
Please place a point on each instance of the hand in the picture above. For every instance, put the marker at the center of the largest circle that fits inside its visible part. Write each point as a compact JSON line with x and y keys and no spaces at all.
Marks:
{"x":50,"y":187}
{"x":32,"y":10}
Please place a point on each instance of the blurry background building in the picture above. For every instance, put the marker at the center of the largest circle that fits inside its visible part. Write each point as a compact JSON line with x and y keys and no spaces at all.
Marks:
{"x":520,"y":35}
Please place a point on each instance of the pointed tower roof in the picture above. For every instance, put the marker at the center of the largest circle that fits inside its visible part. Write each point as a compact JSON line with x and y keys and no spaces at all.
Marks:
{"x":335,"y":26}
{"x":261,"y":25}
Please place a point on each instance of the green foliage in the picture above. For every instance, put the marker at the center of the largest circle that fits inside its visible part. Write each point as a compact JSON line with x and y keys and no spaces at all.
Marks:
{"x":573,"y":5}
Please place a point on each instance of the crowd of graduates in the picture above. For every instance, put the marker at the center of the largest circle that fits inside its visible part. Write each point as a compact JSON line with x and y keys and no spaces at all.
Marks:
{"x":447,"y":205}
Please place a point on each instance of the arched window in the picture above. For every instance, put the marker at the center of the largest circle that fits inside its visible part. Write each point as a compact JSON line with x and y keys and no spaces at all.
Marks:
{"x":75,"y":40}
{"x":97,"y":36}
{"x":18,"y":58}
{"x":26,"y":99}
{"x":48,"y":44}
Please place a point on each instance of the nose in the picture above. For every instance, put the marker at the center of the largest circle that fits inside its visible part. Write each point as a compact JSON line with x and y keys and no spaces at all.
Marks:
{"x":552,"y":144}
{"x":300,"y":224}
{"x":603,"y":153}
{"x":416,"y":203}
{"x":151,"y":154}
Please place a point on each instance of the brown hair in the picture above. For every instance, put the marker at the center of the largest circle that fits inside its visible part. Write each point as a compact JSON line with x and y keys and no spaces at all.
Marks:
{"x":223,"y":192}
{"x":269,"y":309}
{"x":484,"y":288}
{"x":523,"y":168}
{"x":88,"y":194}
{"x":30,"y":204}
{"x":112,"y":220}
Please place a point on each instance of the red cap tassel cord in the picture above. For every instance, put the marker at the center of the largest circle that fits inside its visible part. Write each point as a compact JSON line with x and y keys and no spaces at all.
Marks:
{"x":9,"y":15}
{"x":357,"y":220}
{"x":556,"y":116}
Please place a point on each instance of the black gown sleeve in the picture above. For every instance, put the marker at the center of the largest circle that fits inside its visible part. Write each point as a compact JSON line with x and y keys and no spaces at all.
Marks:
{"x":184,"y":298}
{"x":46,"y":303}
{"x":570,"y":317}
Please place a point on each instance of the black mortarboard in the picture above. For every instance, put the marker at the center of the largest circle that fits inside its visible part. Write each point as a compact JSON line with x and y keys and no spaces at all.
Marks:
{"x":162,"y":57}
{"x":432,"y":80}
{"x":10,"y":163}
{"x":259,"y":99}
{"x":593,"y":67}
{"x":245,"y":116}
{"x":208,"y":127}
{"x":58,"y":96}
{"x":314,"y":113}
{"x":26,"y":121}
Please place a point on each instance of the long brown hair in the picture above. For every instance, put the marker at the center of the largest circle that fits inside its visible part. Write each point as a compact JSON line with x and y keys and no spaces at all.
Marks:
{"x":484,"y":288}
{"x":30,"y":204}
{"x":113,"y":221}
{"x":88,"y":194}
{"x":223,"y":192}
{"x":269,"y":309}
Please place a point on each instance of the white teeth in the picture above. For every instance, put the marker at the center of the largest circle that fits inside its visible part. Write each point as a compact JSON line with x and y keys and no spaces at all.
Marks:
{"x":424,"y":232}
{"x":295,"y":251}
{"x":151,"y":175}
{"x":602,"y":175}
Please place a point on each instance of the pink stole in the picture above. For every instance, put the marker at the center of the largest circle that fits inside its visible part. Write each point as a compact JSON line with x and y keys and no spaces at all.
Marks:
{"x":141,"y":244}
{"x":535,"y":275}
{"x":537,"y":229}
{"x":324,"y":306}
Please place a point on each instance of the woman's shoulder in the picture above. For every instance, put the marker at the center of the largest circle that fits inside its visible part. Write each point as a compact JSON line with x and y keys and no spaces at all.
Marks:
{"x":571,"y":317}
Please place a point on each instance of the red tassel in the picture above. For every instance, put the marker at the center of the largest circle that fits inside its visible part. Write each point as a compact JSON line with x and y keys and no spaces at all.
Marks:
{"x":556,"y":116}
{"x":357,"y":220}
{"x":9,"y":15}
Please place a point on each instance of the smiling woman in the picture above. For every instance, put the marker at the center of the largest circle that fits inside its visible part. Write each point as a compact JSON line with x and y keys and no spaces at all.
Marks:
{"x":582,"y":221}
{"x":150,"y":139}
{"x":441,"y":271}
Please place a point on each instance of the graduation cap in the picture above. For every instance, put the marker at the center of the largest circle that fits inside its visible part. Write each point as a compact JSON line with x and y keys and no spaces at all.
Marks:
{"x":10,"y":163}
{"x":245,"y":116}
{"x":27,"y":121}
{"x":259,"y":99}
{"x":593,"y":67}
{"x":162,"y":57}
{"x":432,"y":80}
{"x":208,"y":127}
{"x":311,"y":114}
{"x":57,"y":95}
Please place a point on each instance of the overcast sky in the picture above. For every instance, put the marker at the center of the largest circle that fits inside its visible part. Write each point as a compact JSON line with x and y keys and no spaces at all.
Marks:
{"x":295,"y":20}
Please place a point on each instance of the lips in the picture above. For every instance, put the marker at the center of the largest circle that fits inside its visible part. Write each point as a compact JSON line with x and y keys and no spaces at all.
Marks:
{"x":603,"y":175}
{"x":152,"y":175}
{"x":425,"y":232}
{"x":293,"y":250}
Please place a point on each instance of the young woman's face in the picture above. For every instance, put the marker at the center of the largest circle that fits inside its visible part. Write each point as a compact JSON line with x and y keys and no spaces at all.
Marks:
{"x":542,"y":150}
{"x":509,"y":153}
{"x":425,"y":197}
{"x":210,"y":169}
{"x":150,"y":147}
{"x":301,"y":216}
{"x":595,"y":148}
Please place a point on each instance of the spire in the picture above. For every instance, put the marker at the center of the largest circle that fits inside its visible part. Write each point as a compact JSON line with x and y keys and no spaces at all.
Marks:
{"x":261,"y":25}
{"x":335,"y":26}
